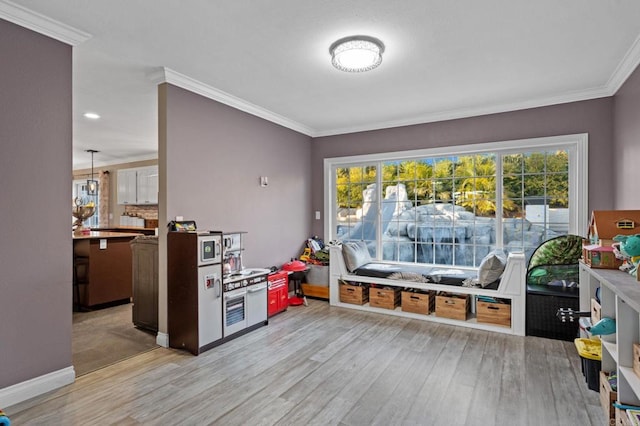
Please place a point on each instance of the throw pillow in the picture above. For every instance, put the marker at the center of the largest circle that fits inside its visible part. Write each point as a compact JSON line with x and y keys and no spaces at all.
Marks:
{"x":491,"y":267}
{"x":355,"y":254}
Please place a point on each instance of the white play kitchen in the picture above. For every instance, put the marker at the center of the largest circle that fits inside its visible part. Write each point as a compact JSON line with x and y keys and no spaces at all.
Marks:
{"x":212,"y":297}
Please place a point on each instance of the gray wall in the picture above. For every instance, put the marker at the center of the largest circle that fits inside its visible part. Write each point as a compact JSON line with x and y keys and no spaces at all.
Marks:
{"x":626,"y":168}
{"x":214,"y":157}
{"x":592,"y":117}
{"x":35,"y":205}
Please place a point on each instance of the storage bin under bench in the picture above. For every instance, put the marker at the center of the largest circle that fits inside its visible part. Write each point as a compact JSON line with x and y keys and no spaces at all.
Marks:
{"x":543,"y":302}
{"x":494,"y":311}
{"x":317,"y":282}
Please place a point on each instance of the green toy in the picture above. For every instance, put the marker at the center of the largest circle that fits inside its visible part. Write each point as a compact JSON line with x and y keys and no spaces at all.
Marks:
{"x":630,"y":250}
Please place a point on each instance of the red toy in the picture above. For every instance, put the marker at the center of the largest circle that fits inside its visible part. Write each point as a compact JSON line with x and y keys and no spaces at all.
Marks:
{"x":297,"y":272}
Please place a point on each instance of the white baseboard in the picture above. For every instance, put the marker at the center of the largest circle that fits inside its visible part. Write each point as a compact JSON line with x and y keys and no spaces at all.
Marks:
{"x":28,"y":389}
{"x":162,"y":339}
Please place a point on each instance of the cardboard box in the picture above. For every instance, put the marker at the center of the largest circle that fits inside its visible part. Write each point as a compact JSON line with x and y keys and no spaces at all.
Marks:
{"x":607,"y":396}
{"x":454,"y":306}
{"x":494,"y":313}
{"x":418,"y":303}
{"x":602,"y":257}
{"x":595,"y":311}
{"x":354,"y":294}
{"x":386,"y":298}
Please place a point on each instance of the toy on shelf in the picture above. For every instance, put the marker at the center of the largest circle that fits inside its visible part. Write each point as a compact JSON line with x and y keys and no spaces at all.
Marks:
{"x":629,"y":251}
{"x":603,"y":327}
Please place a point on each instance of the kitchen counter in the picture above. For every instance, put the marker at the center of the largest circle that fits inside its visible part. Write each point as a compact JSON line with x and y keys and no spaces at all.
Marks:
{"x":245,"y":274}
{"x":109,"y":273}
{"x":134,"y":229}
{"x":106,"y":234}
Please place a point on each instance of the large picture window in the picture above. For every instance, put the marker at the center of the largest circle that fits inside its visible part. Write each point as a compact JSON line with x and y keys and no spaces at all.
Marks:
{"x":452,"y":206}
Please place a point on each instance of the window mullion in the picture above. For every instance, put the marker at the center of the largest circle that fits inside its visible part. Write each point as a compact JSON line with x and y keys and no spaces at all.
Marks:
{"x":380,"y":197}
{"x":499,"y":195}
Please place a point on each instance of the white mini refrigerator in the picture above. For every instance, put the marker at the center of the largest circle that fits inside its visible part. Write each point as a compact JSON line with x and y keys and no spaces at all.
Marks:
{"x":194,"y":290}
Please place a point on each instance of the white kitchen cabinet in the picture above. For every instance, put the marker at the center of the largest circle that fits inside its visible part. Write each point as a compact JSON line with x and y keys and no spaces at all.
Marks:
{"x":620,"y":300}
{"x":127,"y":186}
{"x":147,"y":185}
{"x":138,"y":185}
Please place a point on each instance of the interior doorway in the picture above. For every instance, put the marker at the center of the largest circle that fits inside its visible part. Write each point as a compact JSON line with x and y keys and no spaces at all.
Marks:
{"x":106,"y":336}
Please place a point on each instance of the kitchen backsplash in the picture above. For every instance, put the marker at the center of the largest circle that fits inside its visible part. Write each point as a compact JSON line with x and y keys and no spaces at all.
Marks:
{"x":145,"y":212}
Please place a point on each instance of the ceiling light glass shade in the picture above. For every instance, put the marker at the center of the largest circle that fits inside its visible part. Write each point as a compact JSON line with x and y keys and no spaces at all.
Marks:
{"x":92,"y":187}
{"x":356,"y":53}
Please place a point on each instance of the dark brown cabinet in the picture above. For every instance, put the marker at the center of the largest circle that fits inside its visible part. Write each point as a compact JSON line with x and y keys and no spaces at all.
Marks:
{"x":107,"y":275}
{"x":144,"y":250}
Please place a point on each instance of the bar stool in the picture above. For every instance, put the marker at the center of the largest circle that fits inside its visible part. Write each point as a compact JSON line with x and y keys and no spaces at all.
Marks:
{"x":79,"y":263}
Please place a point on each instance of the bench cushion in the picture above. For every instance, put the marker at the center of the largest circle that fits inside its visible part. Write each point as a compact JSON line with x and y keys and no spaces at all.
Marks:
{"x":432,"y":274}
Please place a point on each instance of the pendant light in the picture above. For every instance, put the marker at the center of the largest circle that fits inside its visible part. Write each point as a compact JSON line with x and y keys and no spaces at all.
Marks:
{"x":92,"y":184}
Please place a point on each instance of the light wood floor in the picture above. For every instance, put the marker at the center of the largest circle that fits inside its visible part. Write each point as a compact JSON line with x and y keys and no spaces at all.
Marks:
{"x":106,"y":336}
{"x":323,"y":365}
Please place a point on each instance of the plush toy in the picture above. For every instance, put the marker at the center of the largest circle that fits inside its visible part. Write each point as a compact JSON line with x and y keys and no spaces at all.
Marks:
{"x":602,"y":327}
{"x":630,"y":250}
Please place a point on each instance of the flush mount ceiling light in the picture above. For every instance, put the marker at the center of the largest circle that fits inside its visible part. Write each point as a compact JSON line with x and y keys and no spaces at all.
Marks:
{"x":91,"y":115}
{"x":356,"y":53}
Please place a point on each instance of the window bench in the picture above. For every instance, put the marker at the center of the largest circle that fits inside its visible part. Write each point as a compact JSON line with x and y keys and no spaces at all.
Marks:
{"x":511,"y":288}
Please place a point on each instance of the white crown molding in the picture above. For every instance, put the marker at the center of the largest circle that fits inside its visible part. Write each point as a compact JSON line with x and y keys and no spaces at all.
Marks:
{"x":37,"y":386}
{"x":627,"y":65}
{"x":117,"y":161}
{"x":166,"y":75}
{"x":39,"y":23}
{"x":622,"y":72}
{"x":157,"y":75}
{"x":624,"y":69}
{"x":472,"y":112}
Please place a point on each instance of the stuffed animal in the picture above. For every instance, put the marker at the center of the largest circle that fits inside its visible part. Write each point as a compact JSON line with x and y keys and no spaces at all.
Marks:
{"x":604,"y":326}
{"x":630,"y":249}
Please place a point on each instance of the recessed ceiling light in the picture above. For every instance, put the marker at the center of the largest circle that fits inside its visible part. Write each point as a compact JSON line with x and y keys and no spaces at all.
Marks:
{"x":356,"y":53}
{"x":91,"y":115}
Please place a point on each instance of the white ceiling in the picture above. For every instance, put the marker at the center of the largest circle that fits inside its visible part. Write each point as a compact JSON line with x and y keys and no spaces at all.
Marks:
{"x":443,"y":59}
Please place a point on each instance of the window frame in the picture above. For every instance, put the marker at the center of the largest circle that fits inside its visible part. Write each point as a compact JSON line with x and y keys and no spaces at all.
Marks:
{"x":93,"y":221}
{"x":575,"y":144}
